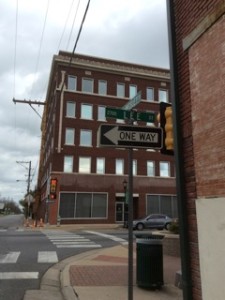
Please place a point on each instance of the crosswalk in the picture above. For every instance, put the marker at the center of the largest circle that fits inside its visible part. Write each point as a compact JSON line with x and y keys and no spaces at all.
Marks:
{"x":64,"y":239}
{"x":42,"y":257}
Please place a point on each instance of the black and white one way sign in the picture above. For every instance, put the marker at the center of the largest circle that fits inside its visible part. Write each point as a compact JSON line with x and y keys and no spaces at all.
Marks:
{"x":129,"y":136}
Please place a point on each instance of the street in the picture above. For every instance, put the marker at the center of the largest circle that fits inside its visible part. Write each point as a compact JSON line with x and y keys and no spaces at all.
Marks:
{"x":27,"y":253}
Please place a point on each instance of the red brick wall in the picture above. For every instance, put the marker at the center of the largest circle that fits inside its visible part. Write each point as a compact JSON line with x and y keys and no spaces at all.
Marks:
{"x":188,"y":14}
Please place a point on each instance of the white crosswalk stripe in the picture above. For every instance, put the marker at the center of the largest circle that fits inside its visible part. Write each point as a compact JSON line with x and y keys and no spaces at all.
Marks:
{"x":19,"y":275}
{"x":47,"y":257}
{"x":64,"y":239}
{"x":109,"y":236}
{"x":9,"y":258}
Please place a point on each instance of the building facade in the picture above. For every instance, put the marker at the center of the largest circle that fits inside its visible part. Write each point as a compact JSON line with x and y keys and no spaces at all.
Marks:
{"x":197,"y":51}
{"x":90,"y":179}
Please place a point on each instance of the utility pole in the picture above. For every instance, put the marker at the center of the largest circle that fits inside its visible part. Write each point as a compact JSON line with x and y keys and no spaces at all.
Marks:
{"x":30,"y":102}
{"x":28,"y":183}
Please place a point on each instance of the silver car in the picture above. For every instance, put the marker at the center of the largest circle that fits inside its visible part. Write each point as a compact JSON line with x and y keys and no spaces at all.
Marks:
{"x":157,"y":221}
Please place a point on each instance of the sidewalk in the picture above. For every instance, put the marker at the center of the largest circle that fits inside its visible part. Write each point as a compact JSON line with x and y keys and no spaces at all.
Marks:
{"x":102,"y":274}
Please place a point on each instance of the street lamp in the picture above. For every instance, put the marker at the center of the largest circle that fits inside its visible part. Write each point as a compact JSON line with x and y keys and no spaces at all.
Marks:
{"x":125,"y":214}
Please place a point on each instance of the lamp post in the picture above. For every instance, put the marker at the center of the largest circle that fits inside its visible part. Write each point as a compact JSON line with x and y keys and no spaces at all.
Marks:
{"x":125,"y":214}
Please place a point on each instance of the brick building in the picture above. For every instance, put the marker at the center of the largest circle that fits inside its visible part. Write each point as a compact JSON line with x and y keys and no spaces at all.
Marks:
{"x":90,"y":179}
{"x":197,"y":51}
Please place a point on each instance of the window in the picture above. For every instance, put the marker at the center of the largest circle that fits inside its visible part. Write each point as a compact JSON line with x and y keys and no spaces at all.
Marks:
{"x":149,"y":94}
{"x":72,"y":83}
{"x":100,"y":165}
{"x":163,"y":96}
{"x":101,"y":113}
{"x":132,"y":90}
{"x":85,"y":165}
{"x":69,"y":138}
{"x":120,"y":90}
{"x":83,"y":205}
{"x":119,"y":166}
{"x":150,"y":168}
{"x":86,"y":112}
{"x":85,"y":138}
{"x":70,"y":109}
{"x":162,"y":204}
{"x":102,"y":87}
{"x":164,"y":169}
{"x":134,"y":167}
{"x":68,"y":164}
{"x":87,"y":85}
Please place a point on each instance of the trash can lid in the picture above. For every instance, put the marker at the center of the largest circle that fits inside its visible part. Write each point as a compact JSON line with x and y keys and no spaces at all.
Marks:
{"x":148,"y":236}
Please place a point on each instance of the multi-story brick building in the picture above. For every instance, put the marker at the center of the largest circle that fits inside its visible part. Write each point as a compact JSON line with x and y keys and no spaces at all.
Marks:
{"x":198,"y":81}
{"x":90,"y":179}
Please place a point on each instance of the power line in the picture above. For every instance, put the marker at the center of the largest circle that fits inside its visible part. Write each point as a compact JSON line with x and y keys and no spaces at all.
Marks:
{"x":41,"y":41}
{"x":72,"y":25}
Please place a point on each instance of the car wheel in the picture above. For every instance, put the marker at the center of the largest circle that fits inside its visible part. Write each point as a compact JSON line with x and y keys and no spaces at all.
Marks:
{"x":167,"y":226}
{"x":140,"y":226}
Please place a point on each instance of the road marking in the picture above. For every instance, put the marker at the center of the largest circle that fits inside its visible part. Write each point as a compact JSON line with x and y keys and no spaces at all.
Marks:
{"x":66,"y":239}
{"x":47,"y":257}
{"x":3,"y":230}
{"x":9,"y":258}
{"x":109,"y":236}
{"x":19,"y":275}
{"x":79,"y":246}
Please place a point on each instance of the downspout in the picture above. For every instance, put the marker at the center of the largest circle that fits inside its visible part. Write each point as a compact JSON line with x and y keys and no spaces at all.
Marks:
{"x":180,"y":180}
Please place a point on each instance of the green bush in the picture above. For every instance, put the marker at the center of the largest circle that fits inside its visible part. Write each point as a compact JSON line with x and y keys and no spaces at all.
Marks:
{"x":174,"y":227}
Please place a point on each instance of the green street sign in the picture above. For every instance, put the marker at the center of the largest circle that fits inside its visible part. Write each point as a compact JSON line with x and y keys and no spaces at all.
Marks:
{"x":117,"y":113}
{"x":145,"y":117}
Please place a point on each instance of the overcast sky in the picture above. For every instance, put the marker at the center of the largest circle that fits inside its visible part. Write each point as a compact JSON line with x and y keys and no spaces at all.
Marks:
{"x":31,"y":33}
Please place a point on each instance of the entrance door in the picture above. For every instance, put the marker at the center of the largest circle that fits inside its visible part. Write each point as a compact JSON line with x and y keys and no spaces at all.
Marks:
{"x":119,"y":211}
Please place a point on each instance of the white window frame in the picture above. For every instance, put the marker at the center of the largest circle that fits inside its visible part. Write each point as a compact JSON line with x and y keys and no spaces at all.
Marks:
{"x":83,"y":115}
{"x":162,"y":170}
{"x":82,"y":143}
{"x":150,"y":168}
{"x":67,"y":135}
{"x":100,"y":165}
{"x":69,"y":87}
{"x":92,"y":85}
{"x":68,"y":165}
{"x":68,"y":111}
{"x":83,"y":170}
{"x":119,"y":168}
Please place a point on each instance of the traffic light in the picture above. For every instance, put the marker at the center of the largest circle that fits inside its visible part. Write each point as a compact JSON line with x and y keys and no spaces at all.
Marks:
{"x":166,"y":123}
{"x":53,"y":187}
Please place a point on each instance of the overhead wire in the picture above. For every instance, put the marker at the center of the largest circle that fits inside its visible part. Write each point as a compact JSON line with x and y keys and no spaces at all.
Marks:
{"x":71,"y":31}
{"x":40,"y":47}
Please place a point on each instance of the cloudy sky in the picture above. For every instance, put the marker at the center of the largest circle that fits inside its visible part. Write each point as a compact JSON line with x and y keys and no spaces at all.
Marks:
{"x":31,"y":32}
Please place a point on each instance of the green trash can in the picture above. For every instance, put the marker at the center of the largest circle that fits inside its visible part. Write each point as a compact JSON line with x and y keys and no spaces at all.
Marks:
{"x":149,"y":260}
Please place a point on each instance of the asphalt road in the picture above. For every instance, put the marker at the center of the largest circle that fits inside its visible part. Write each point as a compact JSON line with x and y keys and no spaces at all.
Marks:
{"x":26,"y":253}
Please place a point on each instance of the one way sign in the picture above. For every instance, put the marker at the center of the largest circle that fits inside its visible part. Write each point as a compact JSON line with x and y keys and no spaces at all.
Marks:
{"x":129,"y":137}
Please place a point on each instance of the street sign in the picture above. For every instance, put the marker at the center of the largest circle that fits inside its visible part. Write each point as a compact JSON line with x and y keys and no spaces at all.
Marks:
{"x":122,"y":114}
{"x":148,"y":117}
{"x":117,"y":113}
{"x":129,"y":136}
{"x":133,"y":102}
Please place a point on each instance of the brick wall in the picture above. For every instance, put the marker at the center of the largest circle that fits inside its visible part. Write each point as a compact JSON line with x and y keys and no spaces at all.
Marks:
{"x":188,"y":14}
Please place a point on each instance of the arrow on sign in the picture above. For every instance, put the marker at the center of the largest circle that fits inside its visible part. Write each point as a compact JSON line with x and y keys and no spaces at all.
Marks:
{"x":130,"y":136}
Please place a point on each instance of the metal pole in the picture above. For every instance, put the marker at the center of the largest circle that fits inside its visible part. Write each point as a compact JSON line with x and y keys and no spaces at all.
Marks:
{"x":130,"y":226}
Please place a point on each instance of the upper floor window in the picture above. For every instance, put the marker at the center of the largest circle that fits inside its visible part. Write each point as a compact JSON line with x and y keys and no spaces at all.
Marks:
{"x":72,"y":83}
{"x":100,"y":165}
{"x":86,"y":111}
{"x":101,"y":113}
{"x":149,"y":94}
{"x":69,"y":137}
{"x":85,"y":138}
{"x":134,"y":167}
{"x":150,"y":168}
{"x":120,"y":90}
{"x":102,"y":87}
{"x":85,"y":165}
{"x":164,"y":169}
{"x":119,"y":166}
{"x":132,"y":90}
{"x":163,"y":96}
{"x":68,"y":164}
{"x":70,"y":109}
{"x":87,"y":85}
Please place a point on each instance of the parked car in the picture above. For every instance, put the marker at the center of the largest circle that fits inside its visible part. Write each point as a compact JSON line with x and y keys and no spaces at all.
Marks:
{"x":156,"y":221}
